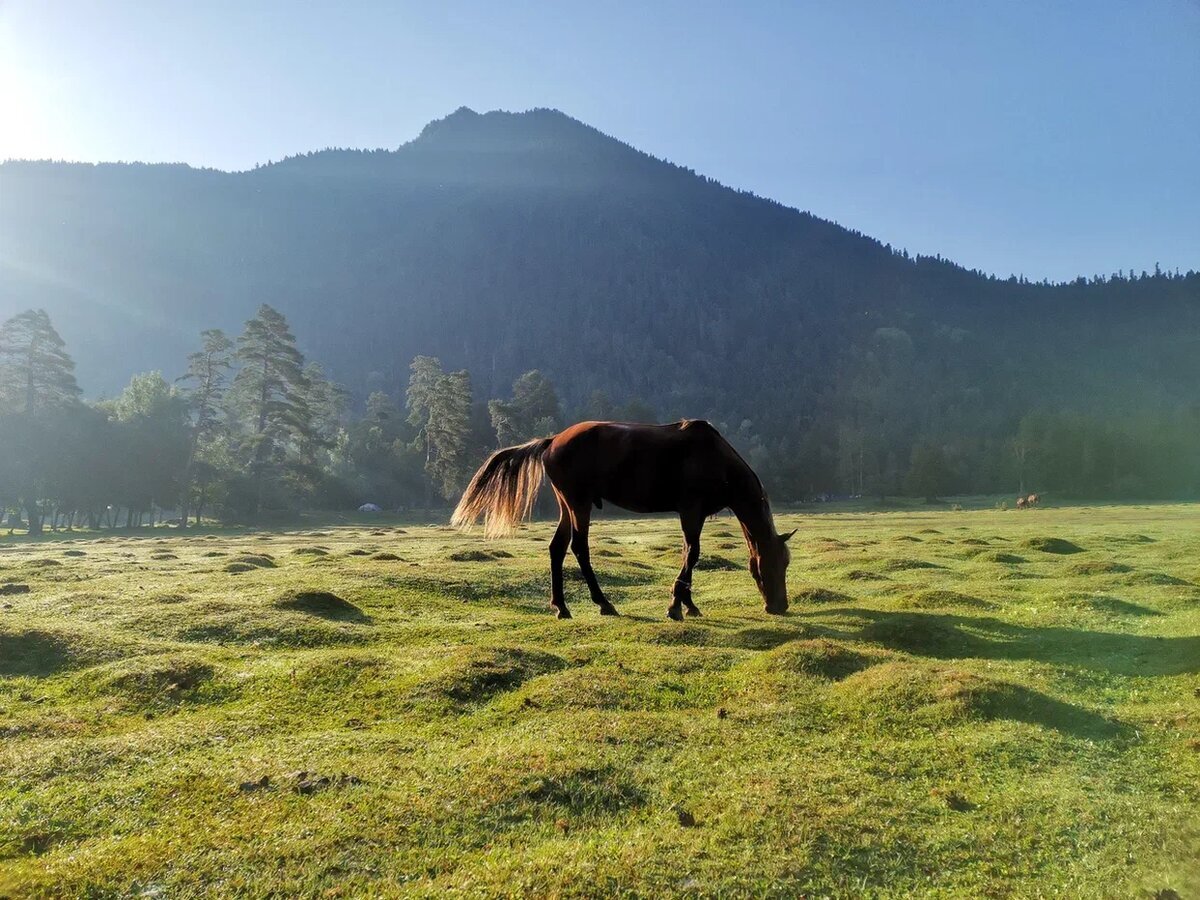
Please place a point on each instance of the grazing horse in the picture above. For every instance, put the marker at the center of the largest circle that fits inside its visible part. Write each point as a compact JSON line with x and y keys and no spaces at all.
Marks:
{"x":1033,"y":499}
{"x":686,"y":467}
{"x":1022,"y":503}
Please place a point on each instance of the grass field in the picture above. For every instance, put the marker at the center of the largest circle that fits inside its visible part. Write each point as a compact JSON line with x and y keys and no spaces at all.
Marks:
{"x":976,"y":704}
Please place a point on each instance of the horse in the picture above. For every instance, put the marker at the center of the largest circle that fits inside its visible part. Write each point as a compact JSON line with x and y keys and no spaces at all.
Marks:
{"x":1033,"y":499}
{"x":1022,"y":503}
{"x":686,"y":467}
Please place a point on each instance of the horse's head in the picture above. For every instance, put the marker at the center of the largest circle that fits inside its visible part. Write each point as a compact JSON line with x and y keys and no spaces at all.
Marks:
{"x":768,"y":565}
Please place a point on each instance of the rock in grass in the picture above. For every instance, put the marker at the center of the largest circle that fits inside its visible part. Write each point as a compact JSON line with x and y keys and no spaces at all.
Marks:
{"x":686,"y":819}
{"x":259,"y":785}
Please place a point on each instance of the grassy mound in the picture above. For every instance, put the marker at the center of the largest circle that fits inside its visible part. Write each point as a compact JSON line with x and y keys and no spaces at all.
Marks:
{"x":1007,"y":558}
{"x":320,"y":603}
{"x":310,"y":551}
{"x":153,"y":680}
{"x":716,"y":563}
{"x":1051,"y":545}
{"x":819,"y":658}
{"x":820,"y":595}
{"x":1099,"y":567}
{"x":385,"y":557}
{"x":472,"y":675}
{"x":904,"y":564}
{"x":865,"y":575}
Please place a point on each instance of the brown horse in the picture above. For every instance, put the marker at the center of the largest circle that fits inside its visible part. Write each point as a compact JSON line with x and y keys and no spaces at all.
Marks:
{"x":1022,"y":503}
{"x":1033,"y":499}
{"x":686,"y":467}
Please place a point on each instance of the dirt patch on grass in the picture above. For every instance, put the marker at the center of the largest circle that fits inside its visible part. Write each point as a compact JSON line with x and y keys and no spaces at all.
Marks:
{"x":13,"y":587}
{"x":479,"y":555}
{"x":1051,"y":545}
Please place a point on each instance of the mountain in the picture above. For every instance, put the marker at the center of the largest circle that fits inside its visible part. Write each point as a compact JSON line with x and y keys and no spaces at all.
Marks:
{"x":504,"y":241}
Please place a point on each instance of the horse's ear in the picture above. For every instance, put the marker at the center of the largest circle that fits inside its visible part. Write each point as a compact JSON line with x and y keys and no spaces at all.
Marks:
{"x":787,"y":537}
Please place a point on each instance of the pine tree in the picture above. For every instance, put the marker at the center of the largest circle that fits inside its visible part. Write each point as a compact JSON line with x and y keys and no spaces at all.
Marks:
{"x":208,"y":371}
{"x":271,"y":394}
{"x":37,"y":394}
{"x":36,"y":372}
{"x":449,"y":430}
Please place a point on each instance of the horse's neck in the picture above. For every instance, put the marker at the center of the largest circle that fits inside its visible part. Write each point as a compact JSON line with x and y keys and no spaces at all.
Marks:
{"x":754,"y":515}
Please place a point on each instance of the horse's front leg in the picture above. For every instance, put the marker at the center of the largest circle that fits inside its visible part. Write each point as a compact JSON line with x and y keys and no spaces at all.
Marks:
{"x":681,"y":591}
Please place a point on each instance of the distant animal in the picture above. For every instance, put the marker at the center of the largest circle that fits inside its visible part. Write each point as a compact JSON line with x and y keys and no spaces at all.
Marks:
{"x":1022,"y":503}
{"x":1033,"y":499}
{"x":685,"y":467}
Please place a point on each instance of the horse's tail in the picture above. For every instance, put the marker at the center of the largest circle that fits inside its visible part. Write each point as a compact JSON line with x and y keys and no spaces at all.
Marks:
{"x":503,"y":490}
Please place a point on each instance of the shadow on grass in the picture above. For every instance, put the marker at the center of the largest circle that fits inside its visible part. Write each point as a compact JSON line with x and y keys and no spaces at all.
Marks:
{"x":949,"y":636}
{"x":36,"y":653}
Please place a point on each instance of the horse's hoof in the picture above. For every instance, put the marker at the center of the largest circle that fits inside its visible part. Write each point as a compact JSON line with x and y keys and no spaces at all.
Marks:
{"x":561,"y":612}
{"x":692,"y":611}
{"x":674,"y":612}
{"x":608,"y":609}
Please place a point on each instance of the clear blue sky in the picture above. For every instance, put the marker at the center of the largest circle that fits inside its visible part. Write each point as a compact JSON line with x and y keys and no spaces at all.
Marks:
{"x":1043,"y":138}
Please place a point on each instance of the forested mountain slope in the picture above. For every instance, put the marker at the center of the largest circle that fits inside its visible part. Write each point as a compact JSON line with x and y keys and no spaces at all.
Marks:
{"x":505,"y":242}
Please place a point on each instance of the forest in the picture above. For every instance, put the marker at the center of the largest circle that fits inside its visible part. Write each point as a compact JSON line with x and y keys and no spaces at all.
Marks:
{"x":252,"y":430}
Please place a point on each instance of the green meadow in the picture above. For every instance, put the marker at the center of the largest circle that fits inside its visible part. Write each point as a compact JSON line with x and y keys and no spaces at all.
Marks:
{"x":961,"y":704}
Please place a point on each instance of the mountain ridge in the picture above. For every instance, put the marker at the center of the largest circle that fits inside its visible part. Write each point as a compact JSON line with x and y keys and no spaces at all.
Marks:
{"x":502,"y":242}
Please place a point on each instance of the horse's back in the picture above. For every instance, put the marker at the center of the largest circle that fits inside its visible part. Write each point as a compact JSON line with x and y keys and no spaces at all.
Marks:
{"x":645,"y":468}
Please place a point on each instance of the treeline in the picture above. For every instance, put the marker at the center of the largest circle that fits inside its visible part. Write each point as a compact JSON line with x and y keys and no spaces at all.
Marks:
{"x":251,"y":429}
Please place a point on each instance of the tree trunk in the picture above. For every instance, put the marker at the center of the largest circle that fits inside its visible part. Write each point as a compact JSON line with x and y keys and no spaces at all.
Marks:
{"x":35,"y":517}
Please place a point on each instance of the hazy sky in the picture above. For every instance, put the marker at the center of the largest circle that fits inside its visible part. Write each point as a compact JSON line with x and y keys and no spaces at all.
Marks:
{"x":1049,"y":139}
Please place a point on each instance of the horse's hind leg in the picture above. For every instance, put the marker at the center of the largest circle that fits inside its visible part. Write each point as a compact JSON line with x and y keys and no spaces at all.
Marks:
{"x":580,"y":521}
{"x":558,"y":552}
{"x":681,"y":591}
